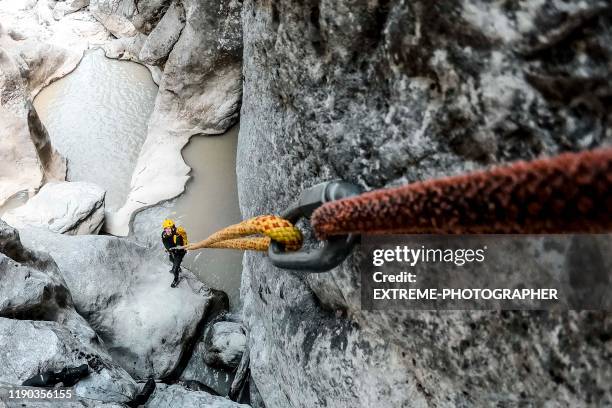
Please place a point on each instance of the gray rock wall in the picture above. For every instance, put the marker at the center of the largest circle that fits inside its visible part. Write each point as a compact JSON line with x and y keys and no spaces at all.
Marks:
{"x":384,"y":93}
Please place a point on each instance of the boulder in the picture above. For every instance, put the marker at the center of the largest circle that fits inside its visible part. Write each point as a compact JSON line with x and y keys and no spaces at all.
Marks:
{"x":66,"y":208}
{"x":166,"y":33}
{"x":32,"y":288}
{"x":115,"y":15}
{"x":166,"y":396}
{"x":62,"y":8}
{"x":216,"y":355}
{"x":32,"y":347}
{"x":48,"y":333}
{"x":124,"y":293}
{"x":386,"y":93}
{"x":225,"y":345}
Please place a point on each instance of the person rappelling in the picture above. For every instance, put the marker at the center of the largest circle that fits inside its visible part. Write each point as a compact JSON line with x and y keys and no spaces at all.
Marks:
{"x":174,"y":238}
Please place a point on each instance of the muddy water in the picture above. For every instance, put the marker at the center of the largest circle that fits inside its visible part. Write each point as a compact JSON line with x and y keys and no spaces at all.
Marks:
{"x":210,"y":202}
{"x":97,"y":118}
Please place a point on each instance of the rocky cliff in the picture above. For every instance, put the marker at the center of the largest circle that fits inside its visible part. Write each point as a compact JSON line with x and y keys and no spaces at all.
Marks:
{"x":387,"y":92}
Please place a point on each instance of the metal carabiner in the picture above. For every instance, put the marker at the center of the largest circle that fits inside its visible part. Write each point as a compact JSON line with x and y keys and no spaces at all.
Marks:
{"x":334,"y":250}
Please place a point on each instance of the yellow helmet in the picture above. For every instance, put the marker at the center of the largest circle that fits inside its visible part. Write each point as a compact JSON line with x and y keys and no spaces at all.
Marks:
{"x":168,"y":223}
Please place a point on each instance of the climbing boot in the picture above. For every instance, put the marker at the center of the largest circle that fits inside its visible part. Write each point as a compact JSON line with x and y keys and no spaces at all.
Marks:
{"x":175,"y":283}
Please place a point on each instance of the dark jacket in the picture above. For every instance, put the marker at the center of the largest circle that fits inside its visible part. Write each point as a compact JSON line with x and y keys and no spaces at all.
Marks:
{"x":172,"y":240}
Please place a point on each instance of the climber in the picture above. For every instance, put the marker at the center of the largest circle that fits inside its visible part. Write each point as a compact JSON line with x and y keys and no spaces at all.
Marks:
{"x":173,"y":239}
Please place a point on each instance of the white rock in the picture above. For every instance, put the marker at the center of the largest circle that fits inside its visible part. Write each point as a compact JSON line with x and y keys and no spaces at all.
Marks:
{"x":67,"y":208}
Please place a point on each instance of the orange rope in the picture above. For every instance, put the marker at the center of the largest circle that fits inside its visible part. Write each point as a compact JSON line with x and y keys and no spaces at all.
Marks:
{"x":239,"y":236}
{"x":568,"y":193}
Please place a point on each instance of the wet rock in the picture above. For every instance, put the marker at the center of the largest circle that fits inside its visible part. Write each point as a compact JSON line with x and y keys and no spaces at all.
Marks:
{"x":71,"y":208}
{"x":396,"y":92}
{"x":166,"y":33}
{"x":125,"y":294}
{"x":225,"y":345}
{"x":167,"y":396}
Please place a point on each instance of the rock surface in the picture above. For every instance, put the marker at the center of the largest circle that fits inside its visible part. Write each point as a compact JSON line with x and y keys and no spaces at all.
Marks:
{"x":385,"y":93}
{"x":200,"y":45}
{"x":71,"y":208}
{"x":62,"y":8}
{"x":32,"y":347}
{"x":176,"y":396}
{"x":47,"y":333}
{"x":125,"y":294}
{"x":35,"y":50}
{"x":115,"y":16}
{"x":166,"y":33}
{"x":217,"y":355}
{"x":26,"y":156}
{"x":225,"y":345}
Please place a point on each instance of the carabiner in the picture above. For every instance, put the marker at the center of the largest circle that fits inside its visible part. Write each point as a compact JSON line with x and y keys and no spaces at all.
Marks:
{"x":334,"y":250}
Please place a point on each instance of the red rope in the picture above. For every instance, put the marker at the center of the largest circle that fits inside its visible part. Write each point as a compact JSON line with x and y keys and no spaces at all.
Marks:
{"x":567,"y":193}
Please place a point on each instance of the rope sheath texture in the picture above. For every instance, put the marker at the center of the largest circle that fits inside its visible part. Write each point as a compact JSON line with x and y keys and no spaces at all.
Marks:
{"x":567,"y":193}
{"x":239,"y":236}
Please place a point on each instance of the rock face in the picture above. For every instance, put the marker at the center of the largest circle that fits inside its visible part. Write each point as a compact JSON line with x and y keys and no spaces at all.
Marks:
{"x":200,"y":45}
{"x":125,"y":294}
{"x":35,"y":50}
{"x":385,"y":93}
{"x":66,"y":208}
{"x":177,"y":396}
{"x":26,"y":155}
{"x":40,"y":329}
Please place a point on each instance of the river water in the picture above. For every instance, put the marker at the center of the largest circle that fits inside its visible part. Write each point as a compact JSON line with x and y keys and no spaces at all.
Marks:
{"x":97,"y":117}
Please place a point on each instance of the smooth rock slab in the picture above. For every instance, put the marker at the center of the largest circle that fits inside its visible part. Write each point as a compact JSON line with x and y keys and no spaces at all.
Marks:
{"x":177,"y":396}
{"x":71,"y":208}
{"x":125,"y":294}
